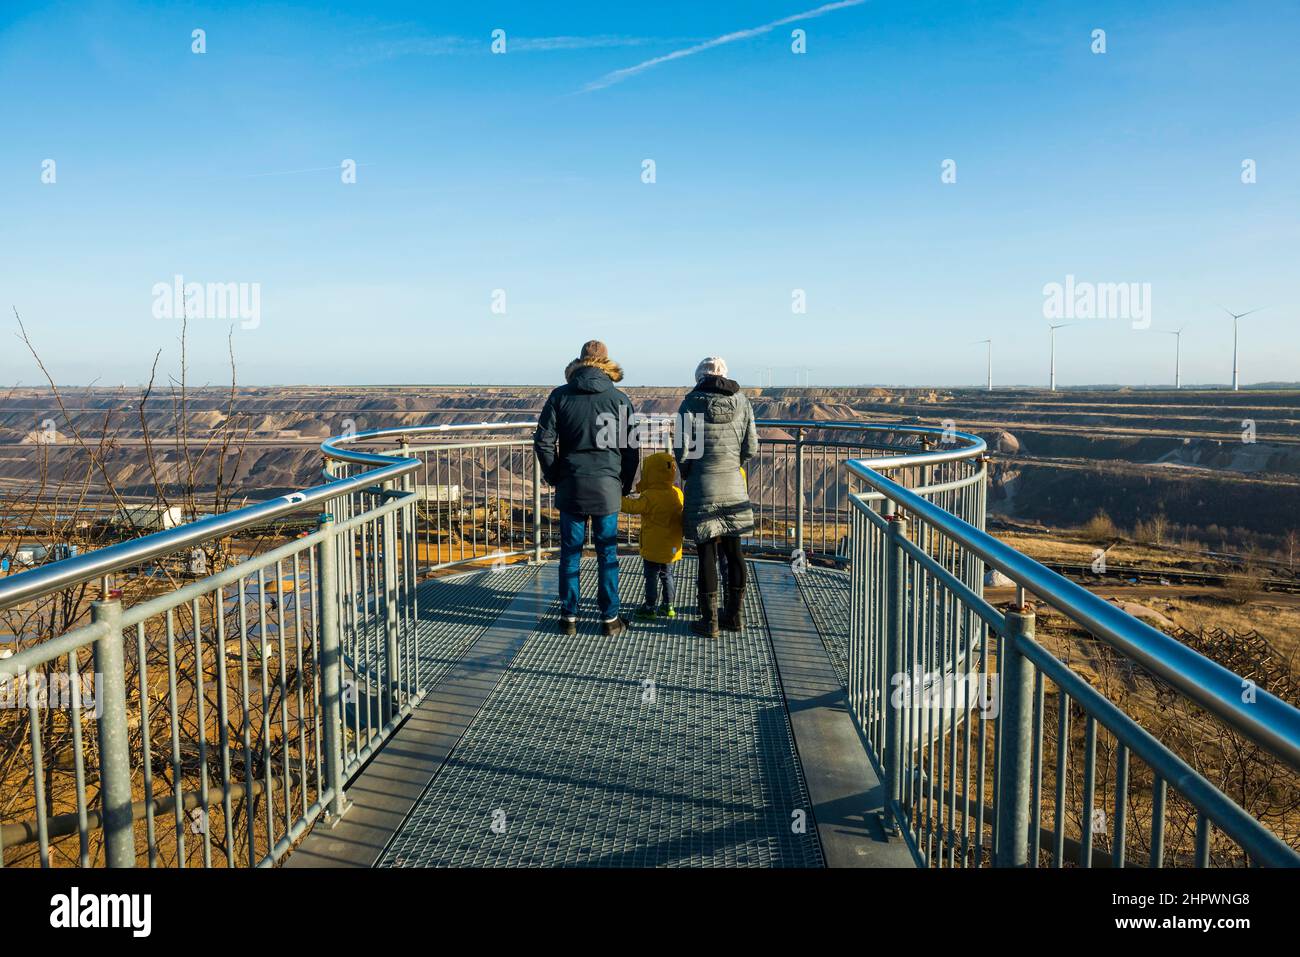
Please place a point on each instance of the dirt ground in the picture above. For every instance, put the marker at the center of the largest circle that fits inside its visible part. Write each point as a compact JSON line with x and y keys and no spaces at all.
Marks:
{"x":1275,"y":615}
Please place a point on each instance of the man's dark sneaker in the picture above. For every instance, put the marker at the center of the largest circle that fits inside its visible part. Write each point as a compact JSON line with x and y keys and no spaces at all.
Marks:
{"x":568,"y":626}
{"x":614,"y":627}
{"x":645,"y":613}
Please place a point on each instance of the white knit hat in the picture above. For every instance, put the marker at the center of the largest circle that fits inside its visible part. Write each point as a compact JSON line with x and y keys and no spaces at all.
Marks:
{"x":710,"y":365}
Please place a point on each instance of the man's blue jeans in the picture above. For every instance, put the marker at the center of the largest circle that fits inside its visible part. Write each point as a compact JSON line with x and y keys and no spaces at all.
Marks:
{"x":604,"y":532}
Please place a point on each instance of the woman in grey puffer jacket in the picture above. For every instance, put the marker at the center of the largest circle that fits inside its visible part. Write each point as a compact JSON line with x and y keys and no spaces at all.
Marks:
{"x":718,"y":437}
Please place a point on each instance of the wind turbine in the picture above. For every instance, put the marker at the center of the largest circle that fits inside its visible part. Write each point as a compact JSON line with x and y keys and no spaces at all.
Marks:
{"x":1236,"y":379}
{"x":1178,"y":353}
{"x":1051,"y":376}
{"x":990,"y":345}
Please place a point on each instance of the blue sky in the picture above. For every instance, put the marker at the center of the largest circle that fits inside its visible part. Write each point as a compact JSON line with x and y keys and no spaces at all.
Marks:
{"x":775,"y":171}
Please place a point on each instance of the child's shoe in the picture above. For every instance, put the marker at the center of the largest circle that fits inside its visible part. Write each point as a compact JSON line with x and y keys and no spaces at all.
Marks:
{"x":667,"y":611}
{"x":644,"y":613}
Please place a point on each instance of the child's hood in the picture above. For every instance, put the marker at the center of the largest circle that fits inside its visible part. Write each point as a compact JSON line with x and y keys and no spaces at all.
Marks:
{"x":657,"y":472}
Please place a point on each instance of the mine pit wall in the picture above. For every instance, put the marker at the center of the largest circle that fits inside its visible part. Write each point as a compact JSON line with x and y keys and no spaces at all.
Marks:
{"x":1229,"y":453}
{"x":1071,"y":456}
{"x":1065,"y":497}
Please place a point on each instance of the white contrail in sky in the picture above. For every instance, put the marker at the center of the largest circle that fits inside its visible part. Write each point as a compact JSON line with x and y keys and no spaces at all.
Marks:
{"x":618,"y":76}
{"x":444,"y":45}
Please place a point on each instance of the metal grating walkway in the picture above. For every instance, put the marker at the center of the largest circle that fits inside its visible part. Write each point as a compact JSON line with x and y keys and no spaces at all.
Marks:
{"x":826,"y":593}
{"x":654,"y":749}
{"x":465,"y":606}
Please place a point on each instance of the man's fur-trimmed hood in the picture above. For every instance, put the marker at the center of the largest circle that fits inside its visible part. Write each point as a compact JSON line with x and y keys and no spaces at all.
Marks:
{"x":607,"y":366}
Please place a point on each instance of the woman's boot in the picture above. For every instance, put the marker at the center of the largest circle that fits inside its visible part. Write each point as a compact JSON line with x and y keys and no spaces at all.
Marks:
{"x":707,"y":626}
{"x":731,"y":619}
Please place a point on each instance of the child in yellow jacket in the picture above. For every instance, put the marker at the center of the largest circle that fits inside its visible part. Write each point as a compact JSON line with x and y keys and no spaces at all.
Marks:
{"x":659,"y":503}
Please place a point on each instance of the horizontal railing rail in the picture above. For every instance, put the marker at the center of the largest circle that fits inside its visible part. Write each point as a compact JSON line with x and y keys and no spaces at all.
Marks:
{"x":484,"y":498}
{"x":90,"y":566}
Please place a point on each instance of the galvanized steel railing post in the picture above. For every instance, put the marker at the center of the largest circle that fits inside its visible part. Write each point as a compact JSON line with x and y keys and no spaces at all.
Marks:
{"x":537,"y":509}
{"x":114,"y":747}
{"x":895,"y":667}
{"x":393,"y":664}
{"x":408,"y":485}
{"x":798,"y":489}
{"x":331,"y":665}
{"x":1015,"y":740}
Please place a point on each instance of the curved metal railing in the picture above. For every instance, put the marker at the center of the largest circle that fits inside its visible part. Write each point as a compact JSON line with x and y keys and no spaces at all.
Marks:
{"x":383,"y":468}
{"x":307,"y":652}
{"x":484,"y":499}
{"x":224,"y":714}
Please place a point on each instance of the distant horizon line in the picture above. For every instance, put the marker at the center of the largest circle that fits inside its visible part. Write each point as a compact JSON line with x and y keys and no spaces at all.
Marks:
{"x":1293,"y":386}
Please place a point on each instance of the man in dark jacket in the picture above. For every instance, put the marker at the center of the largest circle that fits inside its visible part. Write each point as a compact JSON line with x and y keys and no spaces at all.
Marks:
{"x":581,"y":444}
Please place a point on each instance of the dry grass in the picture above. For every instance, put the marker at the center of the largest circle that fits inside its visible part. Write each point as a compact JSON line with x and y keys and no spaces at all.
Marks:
{"x":1066,"y":548}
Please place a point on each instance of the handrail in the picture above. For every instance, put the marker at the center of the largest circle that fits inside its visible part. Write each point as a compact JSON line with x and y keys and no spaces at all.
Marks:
{"x":1268,"y":720}
{"x":974,"y":444}
{"x":387,"y":466}
{"x":332,"y":450}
